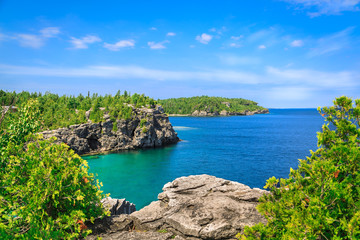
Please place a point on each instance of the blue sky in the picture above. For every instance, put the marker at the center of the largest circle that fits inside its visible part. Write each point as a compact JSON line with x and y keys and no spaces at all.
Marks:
{"x":280,"y":53}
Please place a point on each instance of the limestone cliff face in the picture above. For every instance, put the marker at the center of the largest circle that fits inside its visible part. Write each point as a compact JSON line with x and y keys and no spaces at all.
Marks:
{"x":148,"y":128}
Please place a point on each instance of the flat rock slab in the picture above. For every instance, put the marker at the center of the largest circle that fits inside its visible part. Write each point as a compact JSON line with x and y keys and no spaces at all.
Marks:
{"x":202,"y":207}
{"x":193,"y":207}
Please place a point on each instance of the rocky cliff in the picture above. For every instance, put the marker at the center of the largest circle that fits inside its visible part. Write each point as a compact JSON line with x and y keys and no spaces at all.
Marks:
{"x":147,"y":128}
{"x":194,"y":207}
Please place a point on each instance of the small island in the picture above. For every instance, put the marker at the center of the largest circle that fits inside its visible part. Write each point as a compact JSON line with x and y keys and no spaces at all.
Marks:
{"x":203,"y":106}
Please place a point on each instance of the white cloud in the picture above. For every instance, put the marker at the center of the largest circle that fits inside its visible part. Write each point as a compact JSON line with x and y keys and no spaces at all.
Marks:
{"x":313,"y":78}
{"x":297,"y":43}
{"x":120,"y":44}
{"x":50,"y":32}
{"x":327,"y":7}
{"x":82,"y":43}
{"x":153,"y":28}
{"x":212,"y":30}
{"x":159,"y":45}
{"x":235,"y":45}
{"x":332,"y":43}
{"x":204,"y":38}
{"x":233,"y":60}
{"x":171,"y":34}
{"x":30,"y":40}
{"x":236,"y":38}
{"x":271,"y":78}
{"x":262,"y":47}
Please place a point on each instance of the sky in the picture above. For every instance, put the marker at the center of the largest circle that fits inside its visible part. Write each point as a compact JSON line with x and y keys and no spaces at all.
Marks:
{"x":279,"y":53}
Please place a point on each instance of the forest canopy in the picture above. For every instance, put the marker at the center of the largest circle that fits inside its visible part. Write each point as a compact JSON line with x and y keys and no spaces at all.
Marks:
{"x":208,"y":104}
{"x":62,"y":111}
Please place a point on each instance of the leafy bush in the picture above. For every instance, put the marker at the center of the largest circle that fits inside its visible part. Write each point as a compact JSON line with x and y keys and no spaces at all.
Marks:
{"x":46,"y":191}
{"x":143,"y":122}
{"x":321,"y":199}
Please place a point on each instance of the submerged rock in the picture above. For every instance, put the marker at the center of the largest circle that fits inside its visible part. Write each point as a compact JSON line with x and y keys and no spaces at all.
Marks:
{"x":148,"y":128}
{"x":194,"y":207}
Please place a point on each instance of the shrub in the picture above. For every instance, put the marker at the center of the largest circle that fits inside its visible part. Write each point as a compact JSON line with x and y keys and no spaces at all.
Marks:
{"x":321,"y":199}
{"x":46,"y":191}
{"x":143,"y":122}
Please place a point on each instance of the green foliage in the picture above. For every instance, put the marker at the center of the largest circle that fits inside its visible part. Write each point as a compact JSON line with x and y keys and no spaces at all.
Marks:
{"x":63,"y":111}
{"x":115,"y":127}
{"x":144,"y":130}
{"x":143,"y":122}
{"x":46,"y":191}
{"x":209,"y":104}
{"x":321,"y":199}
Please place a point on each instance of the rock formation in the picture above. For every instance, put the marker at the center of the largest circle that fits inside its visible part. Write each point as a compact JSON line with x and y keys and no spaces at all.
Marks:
{"x":194,"y":207}
{"x":148,"y":128}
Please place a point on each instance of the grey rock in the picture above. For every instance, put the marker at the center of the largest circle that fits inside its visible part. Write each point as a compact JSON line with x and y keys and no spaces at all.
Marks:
{"x":93,"y":138}
{"x":202,"y":207}
{"x":118,"y":206}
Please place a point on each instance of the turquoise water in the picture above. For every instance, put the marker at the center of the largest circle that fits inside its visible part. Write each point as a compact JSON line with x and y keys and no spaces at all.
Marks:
{"x":247,"y":149}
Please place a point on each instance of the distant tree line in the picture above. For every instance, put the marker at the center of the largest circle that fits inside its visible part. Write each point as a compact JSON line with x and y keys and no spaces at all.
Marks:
{"x":62,"y":111}
{"x":209,"y":104}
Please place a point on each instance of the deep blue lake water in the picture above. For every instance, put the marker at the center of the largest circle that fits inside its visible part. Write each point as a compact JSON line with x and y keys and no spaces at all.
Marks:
{"x":247,"y":149}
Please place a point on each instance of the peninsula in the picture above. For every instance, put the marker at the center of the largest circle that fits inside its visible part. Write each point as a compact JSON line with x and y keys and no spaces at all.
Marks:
{"x":210,"y":106}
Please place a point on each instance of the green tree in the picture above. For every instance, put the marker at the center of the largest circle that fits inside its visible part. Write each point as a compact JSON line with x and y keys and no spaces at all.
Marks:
{"x":46,"y":191}
{"x":321,"y":199}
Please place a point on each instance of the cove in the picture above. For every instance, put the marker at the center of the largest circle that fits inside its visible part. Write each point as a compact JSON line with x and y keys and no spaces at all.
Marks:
{"x":246,"y":149}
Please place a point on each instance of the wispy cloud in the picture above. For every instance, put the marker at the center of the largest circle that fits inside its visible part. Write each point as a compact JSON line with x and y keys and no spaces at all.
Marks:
{"x":297,"y":43}
{"x":36,"y":40}
{"x":134,"y":72}
{"x":153,"y":28}
{"x":50,"y":32}
{"x":332,"y":43}
{"x":327,"y":7}
{"x":235,"y":45}
{"x":236,"y":38}
{"x":286,"y":78}
{"x":82,"y":43}
{"x":233,"y":60}
{"x":120,"y":44}
{"x":204,"y":38}
{"x":159,"y":45}
{"x":30,"y":40}
{"x":171,"y":34}
{"x":262,"y":47}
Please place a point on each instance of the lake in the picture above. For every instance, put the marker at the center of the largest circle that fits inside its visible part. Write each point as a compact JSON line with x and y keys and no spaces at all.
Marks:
{"x":246,"y":149}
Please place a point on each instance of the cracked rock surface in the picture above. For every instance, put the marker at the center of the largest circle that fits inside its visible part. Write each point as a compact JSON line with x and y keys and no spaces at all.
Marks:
{"x":193,"y":207}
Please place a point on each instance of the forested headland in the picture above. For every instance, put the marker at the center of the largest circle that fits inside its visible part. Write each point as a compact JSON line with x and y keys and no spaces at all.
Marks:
{"x":62,"y":111}
{"x":208,"y":104}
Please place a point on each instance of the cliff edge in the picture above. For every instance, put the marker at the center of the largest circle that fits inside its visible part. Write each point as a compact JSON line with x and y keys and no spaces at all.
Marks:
{"x":147,"y":128}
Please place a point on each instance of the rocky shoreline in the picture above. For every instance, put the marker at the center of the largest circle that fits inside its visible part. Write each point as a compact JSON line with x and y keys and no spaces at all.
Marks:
{"x":193,"y":207}
{"x":147,"y":128}
{"x":222,"y":113}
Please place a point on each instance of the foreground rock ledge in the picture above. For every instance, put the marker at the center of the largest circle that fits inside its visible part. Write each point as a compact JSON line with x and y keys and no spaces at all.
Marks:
{"x":194,"y":207}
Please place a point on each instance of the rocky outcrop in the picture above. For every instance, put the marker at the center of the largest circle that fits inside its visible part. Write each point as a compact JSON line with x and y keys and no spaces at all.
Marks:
{"x":118,"y":206}
{"x":194,"y":207}
{"x":226,"y":113}
{"x":148,"y":128}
